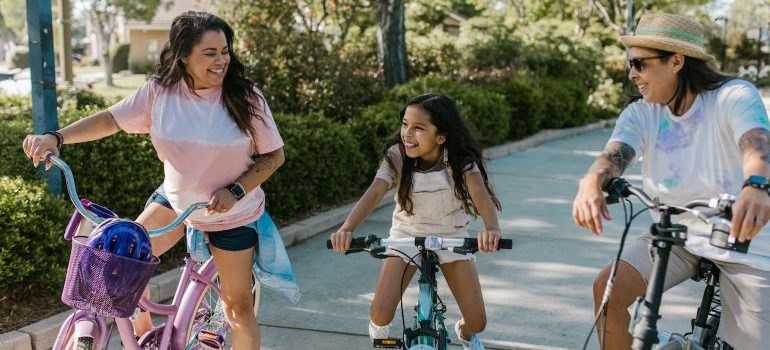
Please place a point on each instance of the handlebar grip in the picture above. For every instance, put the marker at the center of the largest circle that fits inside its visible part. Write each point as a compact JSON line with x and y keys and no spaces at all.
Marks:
{"x":505,"y":244}
{"x":356,"y":243}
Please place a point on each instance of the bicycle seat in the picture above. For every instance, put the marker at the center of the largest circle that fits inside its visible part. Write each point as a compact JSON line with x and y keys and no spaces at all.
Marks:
{"x":122,"y":237}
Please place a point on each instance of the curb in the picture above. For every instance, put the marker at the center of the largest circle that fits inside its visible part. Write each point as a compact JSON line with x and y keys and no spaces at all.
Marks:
{"x":42,"y":334}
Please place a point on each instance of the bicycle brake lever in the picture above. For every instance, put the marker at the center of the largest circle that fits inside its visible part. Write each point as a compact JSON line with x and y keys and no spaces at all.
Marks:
{"x":379,"y":253}
{"x":351,"y":251}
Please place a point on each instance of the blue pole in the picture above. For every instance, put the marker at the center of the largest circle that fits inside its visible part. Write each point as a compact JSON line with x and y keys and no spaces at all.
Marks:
{"x":43,"y":76}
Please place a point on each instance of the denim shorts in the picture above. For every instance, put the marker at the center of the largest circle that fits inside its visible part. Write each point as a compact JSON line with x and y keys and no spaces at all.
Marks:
{"x":235,"y":239}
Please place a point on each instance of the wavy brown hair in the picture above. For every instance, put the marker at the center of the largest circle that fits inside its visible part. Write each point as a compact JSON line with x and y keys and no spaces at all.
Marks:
{"x":463,"y":151}
{"x":238,"y":91}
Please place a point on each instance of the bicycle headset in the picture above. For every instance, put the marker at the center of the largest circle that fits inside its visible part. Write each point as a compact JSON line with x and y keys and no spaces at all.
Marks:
{"x":122,"y":237}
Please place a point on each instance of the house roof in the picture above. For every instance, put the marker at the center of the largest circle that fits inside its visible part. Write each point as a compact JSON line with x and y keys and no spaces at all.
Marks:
{"x":168,"y":10}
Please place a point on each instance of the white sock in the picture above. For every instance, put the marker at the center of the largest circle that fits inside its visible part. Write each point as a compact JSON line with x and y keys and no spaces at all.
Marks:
{"x":378,"y":332}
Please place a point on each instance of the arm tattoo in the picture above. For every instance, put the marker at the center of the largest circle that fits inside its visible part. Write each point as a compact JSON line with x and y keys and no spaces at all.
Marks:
{"x":756,"y":140}
{"x":266,"y":162}
{"x":613,"y":161}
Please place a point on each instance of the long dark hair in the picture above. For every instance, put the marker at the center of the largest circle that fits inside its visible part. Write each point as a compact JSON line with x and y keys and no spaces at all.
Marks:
{"x":238,"y":91}
{"x":462,"y":149}
{"x":696,"y":76}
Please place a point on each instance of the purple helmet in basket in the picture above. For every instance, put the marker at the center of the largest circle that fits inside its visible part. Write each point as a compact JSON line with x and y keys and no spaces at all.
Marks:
{"x":122,"y":237}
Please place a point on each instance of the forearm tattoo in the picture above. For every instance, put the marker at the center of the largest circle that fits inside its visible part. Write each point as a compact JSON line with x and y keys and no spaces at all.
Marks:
{"x":266,"y":162}
{"x":756,"y":140}
{"x":613,"y":161}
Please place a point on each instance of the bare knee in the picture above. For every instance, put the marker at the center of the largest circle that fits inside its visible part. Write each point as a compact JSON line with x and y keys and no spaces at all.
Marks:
{"x":474,"y":324}
{"x":628,"y":285}
{"x":239,"y":309}
{"x":380,"y":314}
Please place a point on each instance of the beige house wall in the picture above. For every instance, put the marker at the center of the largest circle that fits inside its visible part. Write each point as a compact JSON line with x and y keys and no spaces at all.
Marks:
{"x":146,"y":45}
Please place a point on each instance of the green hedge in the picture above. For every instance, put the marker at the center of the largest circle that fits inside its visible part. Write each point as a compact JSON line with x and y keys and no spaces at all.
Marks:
{"x":565,"y":103}
{"x":527,"y":105}
{"x":324,"y":166}
{"x":375,"y":124}
{"x":486,"y":111}
{"x":32,"y":248}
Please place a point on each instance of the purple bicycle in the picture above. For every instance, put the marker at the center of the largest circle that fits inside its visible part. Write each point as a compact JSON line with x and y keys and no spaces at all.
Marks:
{"x":101,"y":284}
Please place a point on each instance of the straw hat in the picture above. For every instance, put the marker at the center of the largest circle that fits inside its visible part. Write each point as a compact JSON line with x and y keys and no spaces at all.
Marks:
{"x":672,"y":33}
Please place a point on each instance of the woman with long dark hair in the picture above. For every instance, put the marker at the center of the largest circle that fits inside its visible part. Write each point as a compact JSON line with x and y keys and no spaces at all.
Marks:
{"x":206,"y":121}
{"x":701,"y":133}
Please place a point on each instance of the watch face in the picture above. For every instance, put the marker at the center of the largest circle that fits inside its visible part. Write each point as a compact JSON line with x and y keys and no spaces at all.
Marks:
{"x":757,"y":180}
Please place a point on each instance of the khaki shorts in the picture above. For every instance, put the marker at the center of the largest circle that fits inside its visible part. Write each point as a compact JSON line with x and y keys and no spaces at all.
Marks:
{"x":745,"y":292}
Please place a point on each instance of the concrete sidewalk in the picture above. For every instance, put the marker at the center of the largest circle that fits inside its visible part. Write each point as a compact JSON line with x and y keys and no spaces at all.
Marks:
{"x":538,"y":295}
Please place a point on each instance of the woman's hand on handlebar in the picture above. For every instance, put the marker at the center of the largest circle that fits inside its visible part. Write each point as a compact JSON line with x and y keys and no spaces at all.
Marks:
{"x":488,"y":240}
{"x":36,"y":147}
{"x":751,"y":212}
{"x":341,"y":240}
{"x":589,"y":206}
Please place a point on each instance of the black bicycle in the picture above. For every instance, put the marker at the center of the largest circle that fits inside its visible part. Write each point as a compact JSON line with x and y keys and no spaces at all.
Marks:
{"x":428,"y":331}
{"x":665,"y":234}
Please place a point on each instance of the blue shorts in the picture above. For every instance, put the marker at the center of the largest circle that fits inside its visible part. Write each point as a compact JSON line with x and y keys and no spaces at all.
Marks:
{"x":235,"y":239}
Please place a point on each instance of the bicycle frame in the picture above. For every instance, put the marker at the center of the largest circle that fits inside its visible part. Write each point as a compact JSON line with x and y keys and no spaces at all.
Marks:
{"x":178,"y":313}
{"x":424,"y":334}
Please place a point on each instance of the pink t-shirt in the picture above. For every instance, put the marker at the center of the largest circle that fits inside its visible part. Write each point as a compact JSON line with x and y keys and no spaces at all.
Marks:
{"x":201,"y":147}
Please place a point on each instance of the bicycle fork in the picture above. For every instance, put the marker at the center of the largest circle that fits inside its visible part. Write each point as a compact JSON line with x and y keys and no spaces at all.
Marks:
{"x":82,"y":324}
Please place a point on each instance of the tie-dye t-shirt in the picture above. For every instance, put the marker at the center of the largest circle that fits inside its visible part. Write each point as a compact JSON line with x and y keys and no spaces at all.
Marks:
{"x":201,"y":147}
{"x":696,"y":155}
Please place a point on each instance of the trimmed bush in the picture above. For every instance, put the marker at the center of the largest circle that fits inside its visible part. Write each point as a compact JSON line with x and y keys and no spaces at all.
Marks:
{"x":120,"y":58}
{"x":565,"y":103}
{"x":526,"y":101}
{"x":32,"y":249}
{"x":146,"y":67}
{"x":20,"y":58}
{"x":485,"y":111}
{"x":375,"y":124}
{"x":324,"y":166}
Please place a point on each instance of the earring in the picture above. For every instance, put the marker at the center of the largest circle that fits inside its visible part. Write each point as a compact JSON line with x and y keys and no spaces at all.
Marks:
{"x":446,"y":161}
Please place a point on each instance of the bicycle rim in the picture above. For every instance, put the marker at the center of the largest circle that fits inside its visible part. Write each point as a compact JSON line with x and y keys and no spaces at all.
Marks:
{"x":209,"y":319}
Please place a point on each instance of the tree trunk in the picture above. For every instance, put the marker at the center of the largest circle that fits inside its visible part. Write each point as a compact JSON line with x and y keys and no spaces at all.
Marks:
{"x":391,"y":41}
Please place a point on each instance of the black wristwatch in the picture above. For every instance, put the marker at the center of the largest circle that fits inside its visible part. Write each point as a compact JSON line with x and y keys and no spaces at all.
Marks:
{"x":237,"y":190}
{"x":757,"y":181}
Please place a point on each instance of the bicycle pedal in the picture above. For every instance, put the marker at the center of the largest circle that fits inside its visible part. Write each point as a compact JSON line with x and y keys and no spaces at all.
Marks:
{"x":388,"y":343}
{"x":211,"y":340}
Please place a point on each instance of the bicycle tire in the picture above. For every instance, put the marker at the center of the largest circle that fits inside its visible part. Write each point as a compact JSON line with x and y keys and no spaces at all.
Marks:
{"x":208,"y":314}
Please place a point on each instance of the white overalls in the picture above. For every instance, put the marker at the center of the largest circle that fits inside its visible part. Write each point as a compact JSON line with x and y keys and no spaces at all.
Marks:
{"x":437,"y":212}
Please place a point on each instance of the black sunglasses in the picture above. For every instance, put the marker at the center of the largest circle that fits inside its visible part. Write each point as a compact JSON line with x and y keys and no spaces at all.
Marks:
{"x":638,"y":63}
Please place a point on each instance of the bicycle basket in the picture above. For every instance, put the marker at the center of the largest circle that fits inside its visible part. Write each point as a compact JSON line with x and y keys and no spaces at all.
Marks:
{"x":104,"y":283}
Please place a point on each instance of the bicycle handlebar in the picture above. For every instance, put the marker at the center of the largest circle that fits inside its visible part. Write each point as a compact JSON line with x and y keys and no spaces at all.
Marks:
{"x":720,"y":205}
{"x":434,"y":243}
{"x":75,"y":199}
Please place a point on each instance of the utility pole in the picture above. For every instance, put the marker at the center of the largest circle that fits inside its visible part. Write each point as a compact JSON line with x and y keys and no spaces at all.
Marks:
{"x":65,"y":40}
{"x":43,"y":76}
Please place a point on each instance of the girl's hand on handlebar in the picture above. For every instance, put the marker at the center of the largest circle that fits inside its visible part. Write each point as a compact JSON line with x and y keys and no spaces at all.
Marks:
{"x":589,"y":206}
{"x":488,"y":240}
{"x":750,"y":213}
{"x":36,"y":147}
{"x":341,"y":240}
{"x":221,"y":202}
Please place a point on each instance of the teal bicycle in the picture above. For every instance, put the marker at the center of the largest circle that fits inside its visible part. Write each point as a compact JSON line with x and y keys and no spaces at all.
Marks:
{"x":428,"y":331}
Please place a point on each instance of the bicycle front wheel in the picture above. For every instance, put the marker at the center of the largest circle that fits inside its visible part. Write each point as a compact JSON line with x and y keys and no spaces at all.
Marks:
{"x":207,"y":327}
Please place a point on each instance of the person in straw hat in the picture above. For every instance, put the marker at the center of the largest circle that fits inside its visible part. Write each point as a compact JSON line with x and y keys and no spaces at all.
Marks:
{"x":700,"y":133}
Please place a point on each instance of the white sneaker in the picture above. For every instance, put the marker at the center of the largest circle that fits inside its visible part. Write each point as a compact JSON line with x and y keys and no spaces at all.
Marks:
{"x":473,"y":344}
{"x":378,"y":332}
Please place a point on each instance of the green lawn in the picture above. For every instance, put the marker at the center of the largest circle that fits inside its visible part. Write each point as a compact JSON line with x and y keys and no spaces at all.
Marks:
{"x":124,"y":85}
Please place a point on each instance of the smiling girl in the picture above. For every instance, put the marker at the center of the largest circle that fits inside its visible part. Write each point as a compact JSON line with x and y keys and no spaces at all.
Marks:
{"x":437,"y":170}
